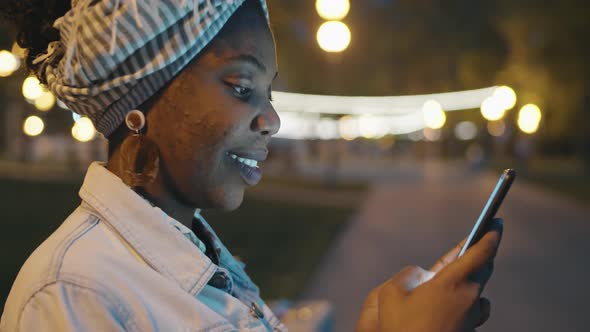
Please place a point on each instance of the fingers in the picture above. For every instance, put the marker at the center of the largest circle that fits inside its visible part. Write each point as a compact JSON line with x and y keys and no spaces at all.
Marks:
{"x":413,"y":277}
{"x":483,"y":276}
{"x":478,"y":314}
{"x":407,"y":279}
{"x":479,"y":254}
{"x":448,"y":258}
{"x":392,"y":291}
{"x":485,"y":308}
{"x":369,"y":318}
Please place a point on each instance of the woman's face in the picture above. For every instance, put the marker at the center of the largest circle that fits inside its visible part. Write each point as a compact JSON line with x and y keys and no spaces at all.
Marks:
{"x":218,"y":108}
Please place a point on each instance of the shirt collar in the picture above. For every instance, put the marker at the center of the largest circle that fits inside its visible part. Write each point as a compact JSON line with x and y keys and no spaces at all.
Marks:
{"x":146,"y":229}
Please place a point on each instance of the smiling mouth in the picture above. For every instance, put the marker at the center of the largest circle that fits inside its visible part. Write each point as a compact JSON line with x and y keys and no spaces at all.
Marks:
{"x":248,"y":162}
{"x":248,"y":168}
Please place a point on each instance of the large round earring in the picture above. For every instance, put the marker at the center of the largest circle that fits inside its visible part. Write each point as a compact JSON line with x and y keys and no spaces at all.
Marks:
{"x":140,"y":155}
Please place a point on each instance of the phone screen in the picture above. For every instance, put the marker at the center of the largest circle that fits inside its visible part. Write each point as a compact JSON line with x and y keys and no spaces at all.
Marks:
{"x":490,"y":209}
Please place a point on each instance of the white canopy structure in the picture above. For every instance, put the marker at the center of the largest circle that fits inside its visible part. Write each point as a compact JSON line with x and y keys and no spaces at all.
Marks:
{"x":304,"y":115}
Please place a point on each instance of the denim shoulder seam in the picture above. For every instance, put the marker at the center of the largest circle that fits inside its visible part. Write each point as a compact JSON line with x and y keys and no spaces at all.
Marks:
{"x":66,"y":243}
{"x":127,"y":234}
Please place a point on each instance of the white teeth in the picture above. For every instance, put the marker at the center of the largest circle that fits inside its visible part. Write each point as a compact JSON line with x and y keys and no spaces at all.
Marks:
{"x":245,"y":161}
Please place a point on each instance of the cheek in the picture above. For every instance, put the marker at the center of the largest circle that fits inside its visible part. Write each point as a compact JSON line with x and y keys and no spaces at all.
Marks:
{"x":193,"y":133}
{"x":199,"y":146}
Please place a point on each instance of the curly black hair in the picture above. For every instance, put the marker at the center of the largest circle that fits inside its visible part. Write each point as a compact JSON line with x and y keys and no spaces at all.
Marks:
{"x":34,"y":23}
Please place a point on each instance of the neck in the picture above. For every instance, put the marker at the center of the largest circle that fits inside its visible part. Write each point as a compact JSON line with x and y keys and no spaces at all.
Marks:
{"x":157,"y":193}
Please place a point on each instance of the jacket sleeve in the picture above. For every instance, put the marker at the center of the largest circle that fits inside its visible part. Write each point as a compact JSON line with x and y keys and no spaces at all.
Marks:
{"x":66,"y":307}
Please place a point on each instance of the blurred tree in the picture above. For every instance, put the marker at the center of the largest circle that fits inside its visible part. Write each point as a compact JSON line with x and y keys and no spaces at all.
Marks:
{"x":548,"y":66}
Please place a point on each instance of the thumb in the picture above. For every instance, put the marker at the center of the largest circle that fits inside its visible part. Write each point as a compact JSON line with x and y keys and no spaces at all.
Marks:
{"x":369,"y":318}
{"x":478,"y":255}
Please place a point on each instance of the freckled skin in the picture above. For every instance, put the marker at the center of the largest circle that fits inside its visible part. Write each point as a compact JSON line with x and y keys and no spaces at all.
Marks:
{"x":198,"y":117}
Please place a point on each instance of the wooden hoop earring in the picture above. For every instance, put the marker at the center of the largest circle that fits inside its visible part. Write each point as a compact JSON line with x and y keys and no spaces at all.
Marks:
{"x":140,"y":155}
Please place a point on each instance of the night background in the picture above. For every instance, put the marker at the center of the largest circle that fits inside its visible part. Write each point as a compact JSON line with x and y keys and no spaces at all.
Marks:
{"x":345,"y":213}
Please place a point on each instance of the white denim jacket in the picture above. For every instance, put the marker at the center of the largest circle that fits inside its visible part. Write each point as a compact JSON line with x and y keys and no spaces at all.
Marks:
{"x":116,"y":264}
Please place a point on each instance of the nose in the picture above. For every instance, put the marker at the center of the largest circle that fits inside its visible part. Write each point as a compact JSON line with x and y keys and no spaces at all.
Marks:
{"x":267,"y":122}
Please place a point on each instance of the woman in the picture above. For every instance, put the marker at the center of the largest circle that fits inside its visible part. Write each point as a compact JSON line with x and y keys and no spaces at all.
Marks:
{"x":182,"y":91}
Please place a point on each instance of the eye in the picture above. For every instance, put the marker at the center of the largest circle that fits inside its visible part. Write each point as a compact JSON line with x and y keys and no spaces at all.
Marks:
{"x":241,"y":92}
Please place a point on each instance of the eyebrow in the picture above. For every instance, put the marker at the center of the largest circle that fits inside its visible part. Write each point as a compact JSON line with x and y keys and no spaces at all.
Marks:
{"x":252,"y":60}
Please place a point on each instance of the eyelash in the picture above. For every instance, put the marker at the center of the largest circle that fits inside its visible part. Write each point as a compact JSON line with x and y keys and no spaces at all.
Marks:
{"x":245,"y":95}
{"x":241,"y":95}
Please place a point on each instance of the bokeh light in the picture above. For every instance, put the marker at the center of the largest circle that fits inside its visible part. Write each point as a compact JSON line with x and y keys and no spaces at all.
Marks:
{"x":492,"y":109}
{"x":83,"y":130}
{"x":333,"y":36}
{"x":9,"y":63}
{"x":349,"y":127}
{"x":431,"y":134}
{"x":465,"y":130}
{"x":332,"y":9}
{"x":371,"y":126}
{"x":32,"y":88}
{"x":45,"y":102}
{"x":434,"y":116}
{"x":496,"y":128}
{"x":529,"y":118}
{"x":327,"y":129}
{"x":505,"y":96}
{"x":33,"y":126}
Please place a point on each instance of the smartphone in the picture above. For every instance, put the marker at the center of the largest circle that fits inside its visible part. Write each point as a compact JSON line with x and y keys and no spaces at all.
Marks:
{"x":490,"y":209}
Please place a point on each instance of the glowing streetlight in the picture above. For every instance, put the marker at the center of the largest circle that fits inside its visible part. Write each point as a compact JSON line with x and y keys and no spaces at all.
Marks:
{"x":349,"y":127}
{"x":332,"y":9}
{"x":492,"y":109}
{"x":529,"y":118}
{"x":371,"y":126}
{"x":9,"y":63}
{"x":45,"y":102}
{"x":333,"y":36}
{"x":83,"y":130}
{"x":327,"y":129}
{"x":33,"y":126}
{"x":434,"y":116}
{"x":505,"y":97}
{"x":32,"y":88}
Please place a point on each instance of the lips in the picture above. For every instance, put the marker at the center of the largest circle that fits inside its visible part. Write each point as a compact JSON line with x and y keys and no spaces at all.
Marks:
{"x":246,"y":164}
{"x":257,"y":154}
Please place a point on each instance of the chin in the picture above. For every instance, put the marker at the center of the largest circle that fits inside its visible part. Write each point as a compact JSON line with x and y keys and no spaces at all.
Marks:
{"x":229,"y":200}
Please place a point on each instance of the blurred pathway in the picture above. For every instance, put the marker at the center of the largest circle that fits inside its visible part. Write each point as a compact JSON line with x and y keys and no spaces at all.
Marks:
{"x":542,"y":270}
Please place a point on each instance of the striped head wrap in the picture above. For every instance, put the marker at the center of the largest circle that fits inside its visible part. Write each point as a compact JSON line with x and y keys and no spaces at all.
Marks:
{"x":113,"y":55}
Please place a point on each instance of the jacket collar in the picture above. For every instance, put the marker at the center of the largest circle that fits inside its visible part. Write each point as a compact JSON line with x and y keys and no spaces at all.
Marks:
{"x":146,"y":229}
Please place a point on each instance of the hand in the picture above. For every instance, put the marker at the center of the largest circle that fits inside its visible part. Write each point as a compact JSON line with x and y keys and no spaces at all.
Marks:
{"x":444,"y":299}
